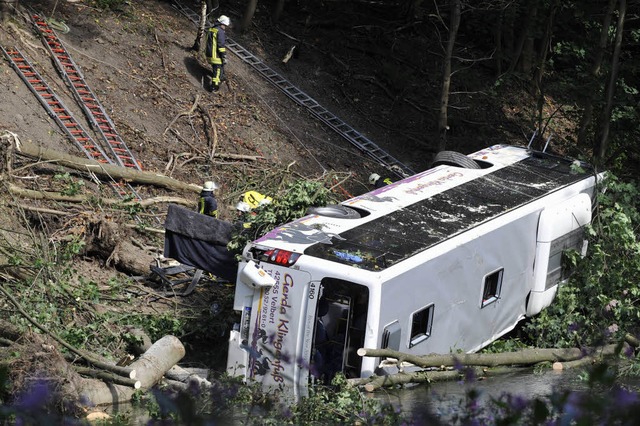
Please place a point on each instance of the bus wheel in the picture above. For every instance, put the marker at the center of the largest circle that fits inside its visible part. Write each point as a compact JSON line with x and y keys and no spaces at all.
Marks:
{"x":456,"y":159}
{"x":334,"y":210}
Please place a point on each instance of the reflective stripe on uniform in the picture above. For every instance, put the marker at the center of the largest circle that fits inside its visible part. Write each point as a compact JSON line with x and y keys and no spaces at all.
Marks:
{"x":211,"y":51}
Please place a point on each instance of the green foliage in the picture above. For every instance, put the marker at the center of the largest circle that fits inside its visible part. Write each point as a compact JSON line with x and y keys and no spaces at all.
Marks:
{"x":505,"y":345}
{"x":602,"y":299}
{"x":79,"y":336}
{"x":71,"y":186}
{"x":159,"y":325}
{"x":70,"y":249}
{"x":289,"y":204}
{"x":341,"y":404}
{"x":248,"y":404}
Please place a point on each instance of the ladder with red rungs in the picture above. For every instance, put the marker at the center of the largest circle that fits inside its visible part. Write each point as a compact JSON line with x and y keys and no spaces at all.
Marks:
{"x":92,"y":108}
{"x":54,"y":106}
{"x":61,"y":115}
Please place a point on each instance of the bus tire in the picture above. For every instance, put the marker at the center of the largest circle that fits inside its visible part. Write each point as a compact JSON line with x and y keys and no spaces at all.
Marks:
{"x":453,"y":158}
{"x":335,"y":210}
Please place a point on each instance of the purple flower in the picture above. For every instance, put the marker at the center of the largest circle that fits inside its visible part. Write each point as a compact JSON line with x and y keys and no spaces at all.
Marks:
{"x":612,"y":304}
{"x":624,"y":398}
{"x":629,"y":351}
{"x":613,"y":328}
{"x":34,"y":398}
{"x":518,"y":403}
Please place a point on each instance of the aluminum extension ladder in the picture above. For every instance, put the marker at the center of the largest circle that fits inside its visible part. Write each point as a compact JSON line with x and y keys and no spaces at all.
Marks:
{"x":92,"y":108}
{"x":62,"y":115}
{"x":365,"y":145}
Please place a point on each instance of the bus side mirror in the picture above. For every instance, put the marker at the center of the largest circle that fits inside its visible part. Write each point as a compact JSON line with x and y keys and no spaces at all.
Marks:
{"x":254,"y":276}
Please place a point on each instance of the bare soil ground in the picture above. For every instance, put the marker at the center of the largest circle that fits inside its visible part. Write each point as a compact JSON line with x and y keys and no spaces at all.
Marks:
{"x":381,"y":78}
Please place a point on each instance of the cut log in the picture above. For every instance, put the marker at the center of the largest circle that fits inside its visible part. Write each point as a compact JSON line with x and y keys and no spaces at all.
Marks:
{"x":415,"y":377}
{"x":154,"y":363}
{"x":632,"y":340}
{"x":373,"y":383}
{"x":108,"y":377}
{"x":150,"y":368}
{"x":92,"y":360}
{"x":96,"y":392}
{"x":179,"y":374}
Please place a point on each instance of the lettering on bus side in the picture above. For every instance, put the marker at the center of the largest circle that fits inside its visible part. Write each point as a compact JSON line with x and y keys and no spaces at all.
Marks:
{"x":309,"y":323}
{"x":284,"y":300}
{"x":282,"y":330}
{"x":273,"y":303}
{"x":269,"y":301}
{"x":441,"y":180}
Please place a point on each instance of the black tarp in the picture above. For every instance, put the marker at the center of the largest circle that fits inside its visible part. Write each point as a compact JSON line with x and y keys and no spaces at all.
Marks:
{"x":200,"y":241}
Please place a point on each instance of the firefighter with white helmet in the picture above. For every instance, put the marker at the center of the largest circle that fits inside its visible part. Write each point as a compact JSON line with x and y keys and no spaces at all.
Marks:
{"x":377,"y":181}
{"x":207,"y":203}
{"x":216,"y":50}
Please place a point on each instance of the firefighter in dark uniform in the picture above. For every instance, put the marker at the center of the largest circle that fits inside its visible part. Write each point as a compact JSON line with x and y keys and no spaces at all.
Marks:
{"x":207,"y":203}
{"x":378,"y":182}
{"x":216,"y":50}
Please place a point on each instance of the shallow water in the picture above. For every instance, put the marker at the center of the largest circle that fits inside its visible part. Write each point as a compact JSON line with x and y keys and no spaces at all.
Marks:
{"x":443,"y":400}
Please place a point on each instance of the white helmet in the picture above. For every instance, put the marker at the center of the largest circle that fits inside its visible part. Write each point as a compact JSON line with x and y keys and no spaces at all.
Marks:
{"x":243,"y":207}
{"x":210,"y":186}
{"x":224,"y":20}
{"x":373,"y":178}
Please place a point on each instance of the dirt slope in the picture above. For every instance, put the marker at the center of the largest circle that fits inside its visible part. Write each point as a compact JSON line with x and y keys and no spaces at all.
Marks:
{"x":139,"y":65}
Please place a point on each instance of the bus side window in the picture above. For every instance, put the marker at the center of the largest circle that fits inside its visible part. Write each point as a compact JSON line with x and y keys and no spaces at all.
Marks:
{"x":492,"y":287}
{"x":421,"y":322}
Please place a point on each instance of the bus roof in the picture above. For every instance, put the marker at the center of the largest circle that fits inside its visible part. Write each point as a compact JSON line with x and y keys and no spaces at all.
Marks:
{"x":418,"y":212}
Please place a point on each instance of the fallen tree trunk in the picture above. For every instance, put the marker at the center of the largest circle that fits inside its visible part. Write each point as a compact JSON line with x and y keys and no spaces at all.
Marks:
{"x":150,"y":368}
{"x":415,"y":377}
{"x":155,"y":362}
{"x":179,"y":374}
{"x":522,"y":357}
{"x":96,"y":392}
{"x":40,"y":153}
{"x":112,"y":242}
{"x":56,"y":196}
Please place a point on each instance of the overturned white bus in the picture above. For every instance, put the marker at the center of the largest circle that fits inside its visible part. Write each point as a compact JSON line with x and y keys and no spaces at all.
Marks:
{"x":447,"y":260}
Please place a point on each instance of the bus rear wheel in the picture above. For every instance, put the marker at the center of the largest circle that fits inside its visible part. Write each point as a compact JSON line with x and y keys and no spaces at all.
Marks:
{"x":335,"y":210}
{"x":453,"y":158}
